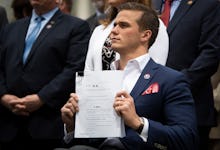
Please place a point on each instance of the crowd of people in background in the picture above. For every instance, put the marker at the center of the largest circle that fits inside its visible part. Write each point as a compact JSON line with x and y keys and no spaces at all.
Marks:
{"x":45,"y":45}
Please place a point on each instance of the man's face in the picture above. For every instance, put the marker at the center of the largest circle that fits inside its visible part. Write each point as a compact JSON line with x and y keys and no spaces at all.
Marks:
{"x":99,"y":4}
{"x":43,"y":4}
{"x":126,"y":35}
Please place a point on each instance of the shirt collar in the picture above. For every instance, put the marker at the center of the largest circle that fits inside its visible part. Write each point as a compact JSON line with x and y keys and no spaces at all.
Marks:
{"x":141,"y":62}
{"x":46,"y":16}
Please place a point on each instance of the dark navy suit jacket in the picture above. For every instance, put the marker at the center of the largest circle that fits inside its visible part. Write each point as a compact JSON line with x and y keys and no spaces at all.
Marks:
{"x":194,"y":47}
{"x":170,"y":111}
{"x":56,"y":55}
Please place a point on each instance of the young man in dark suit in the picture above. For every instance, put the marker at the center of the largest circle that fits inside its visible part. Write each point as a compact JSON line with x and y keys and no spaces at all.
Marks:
{"x":35,"y":81}
{"x":193,"y":49}
{"x":156,"y":104}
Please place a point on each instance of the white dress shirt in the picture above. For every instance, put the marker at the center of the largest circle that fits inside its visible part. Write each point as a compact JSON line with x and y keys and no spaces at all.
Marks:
{"x":132,"y":72}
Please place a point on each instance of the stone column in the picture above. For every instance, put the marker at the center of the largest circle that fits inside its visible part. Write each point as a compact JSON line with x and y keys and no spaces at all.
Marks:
{"x":82,"y":8}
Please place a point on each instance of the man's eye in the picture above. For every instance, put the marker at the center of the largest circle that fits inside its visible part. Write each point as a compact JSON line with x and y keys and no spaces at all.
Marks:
{"x":123,"y":25}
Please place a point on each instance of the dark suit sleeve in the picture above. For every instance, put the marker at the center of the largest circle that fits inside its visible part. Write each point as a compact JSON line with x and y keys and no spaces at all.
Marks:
{"x":178,"y":130}
{"x":3,"y":89}
{"x":56,"y":92}
{"x":206,"y":64}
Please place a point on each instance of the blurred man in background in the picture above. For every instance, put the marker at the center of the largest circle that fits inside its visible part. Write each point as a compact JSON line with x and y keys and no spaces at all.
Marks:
{"x":94,"y":20}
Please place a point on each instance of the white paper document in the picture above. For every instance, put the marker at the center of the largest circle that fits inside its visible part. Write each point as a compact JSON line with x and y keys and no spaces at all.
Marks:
{"x":96,"y":117}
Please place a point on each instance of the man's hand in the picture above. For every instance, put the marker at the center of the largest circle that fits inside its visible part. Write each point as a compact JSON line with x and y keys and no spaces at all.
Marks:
{"x":27,"y":104}
{"x":14,"y":104}
{"x":68,"y":111}
{"x":124,"y":106}
{"x":32,"y":102}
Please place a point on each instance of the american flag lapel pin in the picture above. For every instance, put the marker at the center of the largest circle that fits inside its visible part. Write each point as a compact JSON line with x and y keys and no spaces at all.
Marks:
{"x":147,"y":76}
{"x":50,"y":24}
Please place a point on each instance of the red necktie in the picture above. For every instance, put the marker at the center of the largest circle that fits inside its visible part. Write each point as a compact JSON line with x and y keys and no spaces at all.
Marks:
{"x":165,"y":16}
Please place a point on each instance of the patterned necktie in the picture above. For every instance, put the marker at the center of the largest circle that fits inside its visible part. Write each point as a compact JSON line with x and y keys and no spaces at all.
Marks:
{"x":165,"y":16}
{"x":32,"y":37}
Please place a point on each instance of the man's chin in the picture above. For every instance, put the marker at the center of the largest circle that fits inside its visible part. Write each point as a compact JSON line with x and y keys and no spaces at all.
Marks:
{"x":115,"y":48}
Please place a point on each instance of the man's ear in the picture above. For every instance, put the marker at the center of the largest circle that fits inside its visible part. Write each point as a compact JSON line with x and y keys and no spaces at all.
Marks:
{"x":146,"y":35}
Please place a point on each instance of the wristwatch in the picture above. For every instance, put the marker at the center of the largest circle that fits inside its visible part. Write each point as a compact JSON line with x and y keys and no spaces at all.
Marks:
{"x":141,"y":126}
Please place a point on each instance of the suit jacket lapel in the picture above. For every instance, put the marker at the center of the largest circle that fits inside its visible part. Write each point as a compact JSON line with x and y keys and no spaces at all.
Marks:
{"x":143,"y":81}
{"x":45,"y":31}
{"x":21,"y":40}
{"x":184,"y":6}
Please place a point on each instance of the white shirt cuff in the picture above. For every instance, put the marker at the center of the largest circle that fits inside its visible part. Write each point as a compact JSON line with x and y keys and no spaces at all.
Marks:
{"x":67,"y":136}
{"x":144,"y":133}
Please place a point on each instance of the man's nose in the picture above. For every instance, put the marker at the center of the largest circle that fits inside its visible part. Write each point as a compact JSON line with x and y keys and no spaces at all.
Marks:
{"x":115,"y":30}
